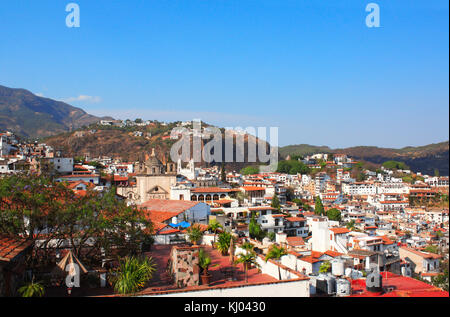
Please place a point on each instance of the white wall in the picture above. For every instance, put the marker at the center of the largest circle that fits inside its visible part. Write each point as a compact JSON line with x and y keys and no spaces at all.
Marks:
{"x":279,"y":289}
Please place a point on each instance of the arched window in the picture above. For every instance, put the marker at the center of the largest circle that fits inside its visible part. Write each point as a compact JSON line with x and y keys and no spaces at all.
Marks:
{"x":208,"y":197}
{"x":201,"y":198}
{"x":216,"y":197}
{"x":193,"y":198}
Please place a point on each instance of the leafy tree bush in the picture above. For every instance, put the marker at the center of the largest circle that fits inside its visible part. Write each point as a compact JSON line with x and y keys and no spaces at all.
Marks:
{"x":334,"y":214}
{"x":319,"y":209}
{"x":293,"y":167}
{"x":255,"y":230}
{"x":132,"y":274}
{"x":395,"y":165}
{"x":250,"y":170}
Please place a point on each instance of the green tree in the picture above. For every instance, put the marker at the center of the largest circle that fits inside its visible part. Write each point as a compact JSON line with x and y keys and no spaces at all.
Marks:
{"x":334,"y":214}
{"x":350,"y":225}
{"x":441,"y":280}
{"x":325,"y":267}
{"x":392,"y":165}
{"x":247,"y":259}
{"x":275,"y":253}
{"x":214,"y":225}
{"x":431,"y":249}
{"x":223,"y":175}
{"x":32,"y":290}
{"x":255,"y":230}
{"x":319,"y":209}
{"x":35,"y":206}
{"x":271,"y":235}
{"x":132,"y":274}
{"x":250,"y":170}
{"x":204,"y":260}
{"x":195,"y":234}
{"x":436,"y":172}
{"x":275,"y":202}
{"x":292,"y":167}
{"x":224,"y":242}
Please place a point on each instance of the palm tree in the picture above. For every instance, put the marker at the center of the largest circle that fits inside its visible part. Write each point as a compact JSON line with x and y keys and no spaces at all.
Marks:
{"x":204,"y":261}
{"x":194,"y":234}
{"x":32,"y":290}
{"x":276,"y":253}
{"x":247,"y":259}
{"x":214,"y":225}
{"x":223,"y":243}
{"x":247,"y":246}
{"x":132,"y":274}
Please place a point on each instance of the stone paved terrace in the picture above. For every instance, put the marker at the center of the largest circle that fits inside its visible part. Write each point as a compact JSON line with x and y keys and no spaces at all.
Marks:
{"x":162,"y":282}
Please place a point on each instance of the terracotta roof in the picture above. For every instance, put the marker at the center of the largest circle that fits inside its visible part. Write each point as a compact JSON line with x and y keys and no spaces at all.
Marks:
{"x":210,"y":190}
{"x":261,"y":208}
{"x":168,"y":205}
{"x":295,"y":241}
{"x":309,"y":259}
{"x":425,"y":255}
{"x":253,"y":188}
{"x":333,"y":253}
{"x":159,"y":216}
{"x":293,"y":219}
{"x":339,"y":230}
{"x":401,"y":286}
{"x":10,"y":247}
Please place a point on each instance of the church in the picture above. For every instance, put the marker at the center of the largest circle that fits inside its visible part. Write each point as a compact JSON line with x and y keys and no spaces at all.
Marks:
{"x":153,"y":180}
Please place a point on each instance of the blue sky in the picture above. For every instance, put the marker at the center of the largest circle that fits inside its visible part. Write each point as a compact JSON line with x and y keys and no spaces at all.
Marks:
{"x":311,"y":68}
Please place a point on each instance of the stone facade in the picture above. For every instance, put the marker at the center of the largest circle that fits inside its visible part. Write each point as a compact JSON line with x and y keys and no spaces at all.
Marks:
{"x":185,"y":267}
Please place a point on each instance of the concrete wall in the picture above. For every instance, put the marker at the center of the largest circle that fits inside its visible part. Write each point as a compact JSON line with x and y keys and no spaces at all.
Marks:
{"x":280,"y":289}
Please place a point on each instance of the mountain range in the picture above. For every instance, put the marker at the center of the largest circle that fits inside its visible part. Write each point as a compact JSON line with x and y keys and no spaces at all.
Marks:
{"x":28,"y":115}
{"x":425,"y":159}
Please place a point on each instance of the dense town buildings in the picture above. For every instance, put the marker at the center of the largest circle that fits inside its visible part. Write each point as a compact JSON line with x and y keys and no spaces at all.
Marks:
{"x":385,"y":224}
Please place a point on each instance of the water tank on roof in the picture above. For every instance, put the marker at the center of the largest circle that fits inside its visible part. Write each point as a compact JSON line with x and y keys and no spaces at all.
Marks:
{"x":337,"y":267}
{"x":321,"y":284}
{"x":406,"y":271}
{"x":343,"y":287}
{"x":353,"y":274}
{"x":331,"y":284}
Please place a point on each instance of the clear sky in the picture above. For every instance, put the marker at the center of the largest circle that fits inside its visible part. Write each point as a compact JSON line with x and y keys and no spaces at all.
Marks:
{"x":310,"y":67}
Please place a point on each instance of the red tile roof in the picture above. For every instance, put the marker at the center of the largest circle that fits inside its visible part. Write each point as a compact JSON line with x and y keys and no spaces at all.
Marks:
{"x":402,"y":287}
{"x":339,"y":230}
{"x":210,"y":190}
{"x":294,"y":219}
{"x":168,"y":205}
{"x":10,"y":247}
{"x":253,"y":188}
{"x":295,"y":241}
{"x":425,"y":255}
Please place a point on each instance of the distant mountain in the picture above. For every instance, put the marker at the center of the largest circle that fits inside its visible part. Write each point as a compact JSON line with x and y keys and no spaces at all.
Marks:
{"x":423,"y":159}
{"x":29,"y":115}
{"x":133,"y":143}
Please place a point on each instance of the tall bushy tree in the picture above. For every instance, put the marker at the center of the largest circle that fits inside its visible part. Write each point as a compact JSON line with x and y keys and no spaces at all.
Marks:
{"x":275,"y":202}
{"x":275,"y":253}
{"x":319,"y":209}
{"x":255,"y":230}
{"x":334,"y":214}
{"x":35,"y":207}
